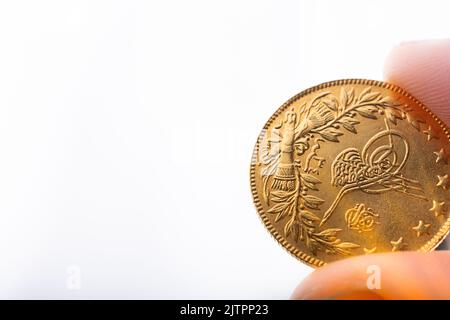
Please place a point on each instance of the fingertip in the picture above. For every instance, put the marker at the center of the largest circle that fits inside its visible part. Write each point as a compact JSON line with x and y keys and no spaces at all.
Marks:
{"x":423,"y":69}
{"x":406,"y":275}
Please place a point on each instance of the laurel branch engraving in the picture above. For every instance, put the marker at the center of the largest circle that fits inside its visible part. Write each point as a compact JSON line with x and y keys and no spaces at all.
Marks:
{"x":289,"y":182}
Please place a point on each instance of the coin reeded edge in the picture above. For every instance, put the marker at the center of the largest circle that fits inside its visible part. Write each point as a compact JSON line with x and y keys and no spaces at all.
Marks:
{"x":312,"y":261}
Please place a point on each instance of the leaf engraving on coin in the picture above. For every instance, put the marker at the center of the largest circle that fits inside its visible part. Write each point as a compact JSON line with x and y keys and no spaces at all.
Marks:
{"x":333,"y":146}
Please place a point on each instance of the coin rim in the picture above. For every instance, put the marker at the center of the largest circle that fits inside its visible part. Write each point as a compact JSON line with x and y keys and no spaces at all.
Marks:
{"x":303,"y":256}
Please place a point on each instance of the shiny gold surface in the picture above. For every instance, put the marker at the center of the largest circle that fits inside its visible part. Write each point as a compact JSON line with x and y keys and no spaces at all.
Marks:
{"x":352,"y":167}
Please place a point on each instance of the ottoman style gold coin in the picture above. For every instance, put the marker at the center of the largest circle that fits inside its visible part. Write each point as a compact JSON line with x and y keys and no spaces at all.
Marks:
{"x":353,"y":167}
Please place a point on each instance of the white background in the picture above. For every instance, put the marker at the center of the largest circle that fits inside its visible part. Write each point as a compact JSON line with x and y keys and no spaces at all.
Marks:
{"x":126,"y":130}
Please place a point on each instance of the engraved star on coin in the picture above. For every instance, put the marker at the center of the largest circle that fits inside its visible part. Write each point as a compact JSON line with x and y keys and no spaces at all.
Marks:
{"x":421,"y":228}
{"x":415,"y":122}
{"x":438,"y":208}
{"x":443,"y":182}
{"x":430,"y":133}
{"x":442,"y":156}
{"x":398,"y":245}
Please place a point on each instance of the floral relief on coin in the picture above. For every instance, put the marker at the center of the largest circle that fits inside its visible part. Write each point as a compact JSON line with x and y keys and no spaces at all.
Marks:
{"x":352,"y":167}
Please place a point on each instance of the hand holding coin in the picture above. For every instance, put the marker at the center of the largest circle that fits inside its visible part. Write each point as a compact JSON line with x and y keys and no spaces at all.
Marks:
{"x":422,"y":69}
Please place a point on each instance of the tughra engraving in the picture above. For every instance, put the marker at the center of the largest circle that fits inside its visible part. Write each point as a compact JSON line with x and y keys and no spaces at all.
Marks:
{"x":377,"y":169}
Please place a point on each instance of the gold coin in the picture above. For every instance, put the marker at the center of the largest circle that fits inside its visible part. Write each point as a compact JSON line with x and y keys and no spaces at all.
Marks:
{"x":353,"y":167}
